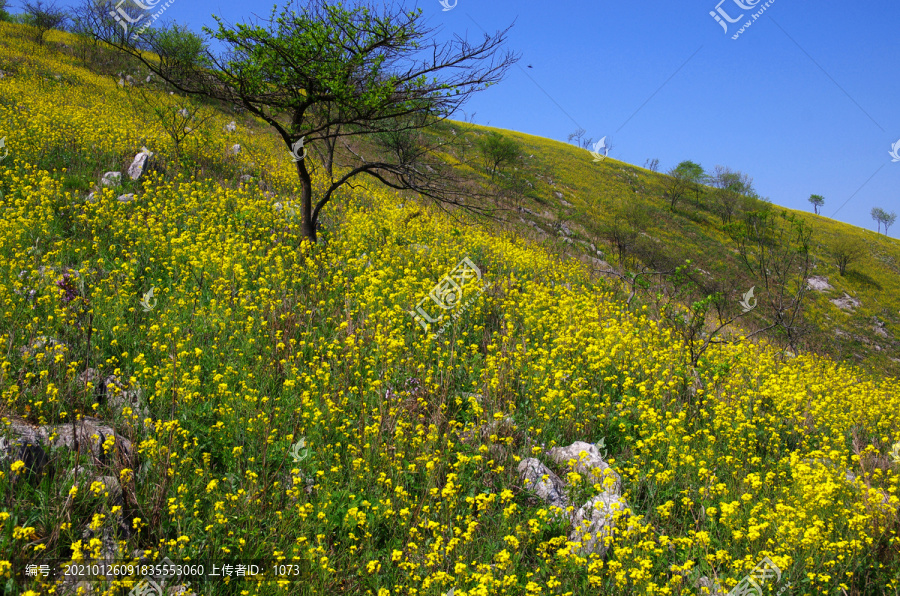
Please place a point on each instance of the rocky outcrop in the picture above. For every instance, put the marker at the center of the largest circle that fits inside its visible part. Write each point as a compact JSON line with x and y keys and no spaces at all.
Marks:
{"x":819,"y":284}
{"x":546,"y":485}
{"x":594,"y":522}
{"x":846,"y":302}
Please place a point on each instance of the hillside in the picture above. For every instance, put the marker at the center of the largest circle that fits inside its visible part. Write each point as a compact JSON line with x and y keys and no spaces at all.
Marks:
{"x":185,"y":378}
{"x":569,"y":200}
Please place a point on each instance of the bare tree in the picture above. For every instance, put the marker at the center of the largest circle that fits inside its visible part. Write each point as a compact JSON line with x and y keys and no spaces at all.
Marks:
{"x":43,"y":16}
{"x":321,"y":74}
{"x":579,"y":139}
{"x":775,"y":249}
{"x":652,"y":164}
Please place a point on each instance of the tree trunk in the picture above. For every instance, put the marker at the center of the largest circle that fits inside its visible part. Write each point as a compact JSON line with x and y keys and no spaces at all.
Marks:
{"x":308,"y":225}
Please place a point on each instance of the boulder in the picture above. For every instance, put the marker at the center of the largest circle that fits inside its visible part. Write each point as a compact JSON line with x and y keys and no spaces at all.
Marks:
{"x":139,"y":166}
{"x":819,"y":283}
{"x":588,"y":463}
{"x":846,"y":302}
{"x":24,"y":444}
{"x":125,"y":198}
{"x":87,"y":435}
{"x":231,"y":127}
{"x":111,"y":179}
{"x":547,"y":485}
{"x":235,"y":149}
{"x":595,"y":521}
{"x":183,"y":112}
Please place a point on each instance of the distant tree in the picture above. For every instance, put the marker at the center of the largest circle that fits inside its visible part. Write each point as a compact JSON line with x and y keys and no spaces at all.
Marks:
{"x":845,"y":250}
{"x":731,"y":187}
{"x":652,"y":164}
{"x":817,"y":201}
{"x":43,"y":16}
{"x":4,"y":15}
{"x":498,"y":151}
{"x":323,"y":74}
{"x":775,"y":250}
{"x":579,"y":139}
{"x":694,"y":174}
{"x":676,"y":186}
{"x":627,"y":221}
{"x":889,"y":220}
{"x":883,"y":218}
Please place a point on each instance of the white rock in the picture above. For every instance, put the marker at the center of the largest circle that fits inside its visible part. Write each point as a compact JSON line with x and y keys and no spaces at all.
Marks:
{"x":183,"y":113}
{"x":589,"y":463}
{"x":819,"y":283}
{"x":549,"y":489}
{"x":235,"y":149}
{"x":139,"y":165}
{"x":231,"y":127}
{"x":597,"y":519}
{"x":111,"y":179}
{"x":846,"y":302}
{"x":125,"y":198}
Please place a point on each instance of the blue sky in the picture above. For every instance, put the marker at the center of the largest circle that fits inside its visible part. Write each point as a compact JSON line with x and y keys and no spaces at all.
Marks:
{"x":806,"y":100}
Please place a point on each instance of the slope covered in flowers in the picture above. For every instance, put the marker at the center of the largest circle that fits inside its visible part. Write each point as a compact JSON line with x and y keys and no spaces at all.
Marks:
{"x":406,"y":482}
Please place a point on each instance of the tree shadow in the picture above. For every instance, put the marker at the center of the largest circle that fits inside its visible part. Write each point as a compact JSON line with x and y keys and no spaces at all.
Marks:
{"x":862,"y":278}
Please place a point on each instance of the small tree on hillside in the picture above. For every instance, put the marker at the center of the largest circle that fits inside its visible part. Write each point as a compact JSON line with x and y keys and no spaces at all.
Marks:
{"x":889,"y":220}
{"x":676,"y":186}
{"x":883,"y":218}
{"x":498,"y":151}
{"x":731,"y":187}
{"x":43,"y":16}
{"x":693,"y":174}
{"x":816,"y":201}
{"x":627,"y":221}
{"x":775,"y":250}
{"x":323,"y":74}
{"x":845,"y":250}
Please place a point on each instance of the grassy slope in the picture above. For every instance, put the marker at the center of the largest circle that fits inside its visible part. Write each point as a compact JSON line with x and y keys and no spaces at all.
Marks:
{"x":694,"y":232}
{"x":409,"y":484}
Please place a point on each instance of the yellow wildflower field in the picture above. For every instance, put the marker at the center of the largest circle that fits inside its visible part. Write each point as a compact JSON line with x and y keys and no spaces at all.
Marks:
{"x":284,"y":407}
